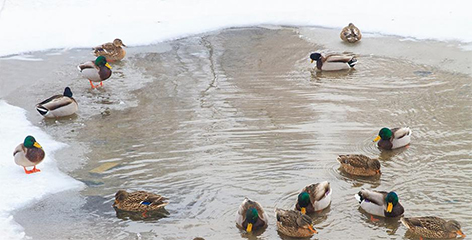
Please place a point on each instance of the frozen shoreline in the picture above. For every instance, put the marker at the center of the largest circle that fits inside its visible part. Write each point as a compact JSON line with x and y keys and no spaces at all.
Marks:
{"x":62,"y":25}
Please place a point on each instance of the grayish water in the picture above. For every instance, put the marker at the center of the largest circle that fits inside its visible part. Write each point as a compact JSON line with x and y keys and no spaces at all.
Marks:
{"x":210,"y":119}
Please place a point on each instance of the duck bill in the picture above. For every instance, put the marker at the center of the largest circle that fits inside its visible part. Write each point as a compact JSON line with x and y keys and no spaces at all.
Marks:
{"x":312,"y":60}
{"x":122,"y":44}
{"x":108,"y":65}
{"x":115,"y":203}
{"x":36,"y":144}
{"x":461,"y":233}
{"x":377,"y":138}
{"x":389,"y":207}
{"x":249,"y":227}
{"x":303,"y":210}
{"x":312,"y":229}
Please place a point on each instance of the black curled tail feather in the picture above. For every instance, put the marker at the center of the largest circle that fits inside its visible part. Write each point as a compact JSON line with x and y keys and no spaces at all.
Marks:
{"x":42,"y":110}
{"x":352,"y":62}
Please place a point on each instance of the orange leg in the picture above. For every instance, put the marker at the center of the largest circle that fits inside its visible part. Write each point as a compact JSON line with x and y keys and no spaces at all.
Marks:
{"x":91,"y":84}
{"x":28,"y":171}
{"x":373,"y":219}
{"x":35,"y":169}
{"x":101,"y":84}
{"x":144,"y":213}
{"x":421,"y":238}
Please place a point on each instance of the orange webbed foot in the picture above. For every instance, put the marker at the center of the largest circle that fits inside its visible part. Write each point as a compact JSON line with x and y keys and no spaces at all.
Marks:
{"x":373,"y":219}
{"x":35,"y":169}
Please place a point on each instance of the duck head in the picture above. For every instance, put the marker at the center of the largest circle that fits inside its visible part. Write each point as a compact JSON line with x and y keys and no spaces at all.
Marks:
{"x":303,"y":201}
{"x":30,"y":142}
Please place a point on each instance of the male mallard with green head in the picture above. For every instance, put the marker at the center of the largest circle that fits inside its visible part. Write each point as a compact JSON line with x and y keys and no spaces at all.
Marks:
{"x":29,"y":154}
{"x":294,"y":223}
{"x":333,"y":62}
{"x":112,"y":51}
{"x":251,"y":216}
{"x":433,"y":227}
{"x":95,"y":71}
{"x":380,"y":203}
{"x":314,"y":197}
{"x":58,"y":105}
{"x":139,"y":202}
{"x":360,"y":165}
{"x":393,"y":138}
{"x":351,"y":34}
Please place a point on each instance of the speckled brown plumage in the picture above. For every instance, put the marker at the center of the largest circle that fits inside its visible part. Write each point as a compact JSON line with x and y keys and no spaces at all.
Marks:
{"x":359,"y":165}
{"x":433,"y":227}
{"x":350,"y":34}
{"x":133,"y":202}
{"x":112,"y":51}
{"x":294,"y":223}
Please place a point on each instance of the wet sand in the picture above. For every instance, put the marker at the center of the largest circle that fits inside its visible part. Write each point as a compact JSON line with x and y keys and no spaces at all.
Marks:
{"x":203,"y":120}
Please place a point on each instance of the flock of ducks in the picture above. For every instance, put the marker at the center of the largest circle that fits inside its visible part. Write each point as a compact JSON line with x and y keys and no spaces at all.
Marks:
{"x":251,"y":216}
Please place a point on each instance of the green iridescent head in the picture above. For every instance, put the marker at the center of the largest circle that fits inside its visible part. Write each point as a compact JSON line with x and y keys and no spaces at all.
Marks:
{"x":30,"y":142}
{"x":385,"y":133}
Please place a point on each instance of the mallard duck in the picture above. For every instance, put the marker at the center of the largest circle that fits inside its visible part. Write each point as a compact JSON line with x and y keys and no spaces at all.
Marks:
{"x":314,"y":197}
{"x":29,"y":154}
{"x":360,"y":165}
{"x":351,"y":34}
{"x":433,"y":227}
{"x":58,"y":105}
{"x":380,"y":203}
{"x":139,"y":202}
{"x":294,"y":223}
{"x":393,"y":138}
{"x":333,"y":62}
{"x":113,"y":51}
{"x":96,"y":71}
{"x":251,"y":216}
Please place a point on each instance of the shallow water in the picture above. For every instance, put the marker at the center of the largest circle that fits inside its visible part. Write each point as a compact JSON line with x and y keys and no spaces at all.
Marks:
{"x":239,"y":113}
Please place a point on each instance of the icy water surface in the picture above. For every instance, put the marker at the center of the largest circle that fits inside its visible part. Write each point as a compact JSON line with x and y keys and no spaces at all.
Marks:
{"x":239,"y":113}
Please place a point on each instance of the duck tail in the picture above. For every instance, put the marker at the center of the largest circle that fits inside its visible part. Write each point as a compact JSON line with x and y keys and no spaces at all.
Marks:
{"x":352,"y":62}
{"x":42,"y":110}
{"x":359,"y":197}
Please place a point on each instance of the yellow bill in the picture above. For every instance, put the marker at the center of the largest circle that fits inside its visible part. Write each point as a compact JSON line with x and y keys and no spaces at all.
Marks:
{"x":108,"y":65}
{"x":36,"y":144}
{"x":249,"y":227}
{"x":377,"y":138}
{"x":311,"y":60}
{"x":303,"y":210}
{"x":312,"y":229}
{"x":389,"y":207}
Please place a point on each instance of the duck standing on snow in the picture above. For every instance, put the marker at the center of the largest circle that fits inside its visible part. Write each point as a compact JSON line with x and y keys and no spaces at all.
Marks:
{"x":112,"y":51}
{"x":333,"y":62}
{"x":380,"y":203}
{"x":29,"y":154}
{"x":433,"y":227}
{"x":360,"y":165}
{"x":139,"y":202}
{"x":393,"y":138}
{"x":251,"y":216}
{"x":314,"y":197}
{"x":294,"y":224}
{"x":96,"y":71}
{"x":351,"y":34}
{"x":58,"y":105}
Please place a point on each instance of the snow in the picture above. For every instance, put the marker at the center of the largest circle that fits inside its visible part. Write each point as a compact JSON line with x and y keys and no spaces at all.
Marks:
{"x":52,"y":24}
{"x":18,"y":188}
